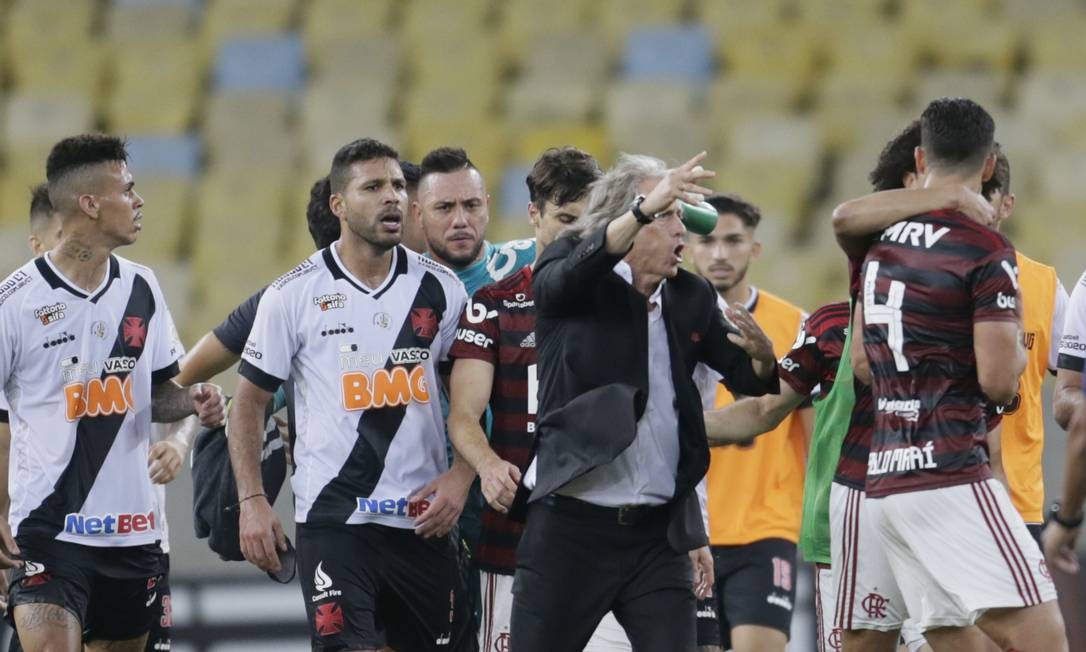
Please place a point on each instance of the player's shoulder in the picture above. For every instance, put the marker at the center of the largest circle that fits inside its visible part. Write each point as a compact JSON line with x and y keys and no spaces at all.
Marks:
{"x":19,"y":281}
{"x":419,"y":263}
{"x":303,"y":270}
{"x":128,"y":270}
{"x":829,"y":316}
{"x":966,"y":229}
{"x":513,"y":284}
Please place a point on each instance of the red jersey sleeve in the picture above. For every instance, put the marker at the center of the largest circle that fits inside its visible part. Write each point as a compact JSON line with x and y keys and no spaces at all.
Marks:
{"x":479,"y":331}
{"x":994,"y":286}
{"x":817,"y":349}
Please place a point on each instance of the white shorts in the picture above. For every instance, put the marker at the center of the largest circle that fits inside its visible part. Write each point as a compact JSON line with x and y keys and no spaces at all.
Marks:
{"x":959,"y":551}
{"x":829,"y":636}
{"x":497,"y":612}
{"x":866,"y":595}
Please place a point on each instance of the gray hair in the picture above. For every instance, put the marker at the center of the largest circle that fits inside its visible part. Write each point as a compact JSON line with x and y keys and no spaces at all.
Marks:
{"x":612,"y":194}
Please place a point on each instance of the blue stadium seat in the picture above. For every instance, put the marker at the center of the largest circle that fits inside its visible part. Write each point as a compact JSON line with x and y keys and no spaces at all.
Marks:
{"x":674,"y":52}
{"x":261,"y":63}
{"x":164,"y":156}
{"x":514,"y":193}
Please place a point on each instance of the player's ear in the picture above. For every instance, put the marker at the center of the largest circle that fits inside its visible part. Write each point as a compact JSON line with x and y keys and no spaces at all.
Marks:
{"x":89,"y":205}
{"x":1007,"y":207}
{"x":989,"y":167}
{"x":335,"y":202}
{"x":533,"y":214}
{"x":35,"y":244}
{"x":756,"y":249}
{"x":921,"y":161}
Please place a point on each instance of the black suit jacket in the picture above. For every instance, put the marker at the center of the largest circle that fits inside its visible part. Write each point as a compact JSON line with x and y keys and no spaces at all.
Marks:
{"x":592,"y":345}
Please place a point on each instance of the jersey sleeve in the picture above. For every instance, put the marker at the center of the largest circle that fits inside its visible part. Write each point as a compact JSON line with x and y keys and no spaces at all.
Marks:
{"x":7,"y":346}
{"x":272,"y":343}
{"x":479,"y":330}
{"x":234,"y":331}
{"x":1059,"y":314}
{"x":166,"y":348}
{"x":801,"y":367}
{"x":457,"y":297}
{"x":1073,"y":341}
{"x":994,"y":287}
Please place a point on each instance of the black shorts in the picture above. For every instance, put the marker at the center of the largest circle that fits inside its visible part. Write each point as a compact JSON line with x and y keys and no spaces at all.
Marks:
{"x":158,"y":639}
{"x":114,"y":592}
{"x":368,"y":586}
{"x":755,"y":585}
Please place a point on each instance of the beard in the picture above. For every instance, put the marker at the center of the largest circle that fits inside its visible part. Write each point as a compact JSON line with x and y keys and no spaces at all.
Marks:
{"x":368,"y":232}
{"x":442,"y":252}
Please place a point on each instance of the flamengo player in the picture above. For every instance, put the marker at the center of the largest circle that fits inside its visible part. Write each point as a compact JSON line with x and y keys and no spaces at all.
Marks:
{"x":942,"y":334}
{"x":496,"y":366}
{"x":359,"y":327}
{"x":87,"y":351}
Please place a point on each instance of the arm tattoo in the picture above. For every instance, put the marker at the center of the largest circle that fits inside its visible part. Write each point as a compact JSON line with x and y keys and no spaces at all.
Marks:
{"x":38,"y":616}
{"x":169,"y":403}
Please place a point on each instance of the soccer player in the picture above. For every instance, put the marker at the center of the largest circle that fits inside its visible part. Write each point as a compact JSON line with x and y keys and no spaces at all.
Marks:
{"x":44,"y":222}
{"x":942,"y":337}
{"x":413,"y":237}
{"x":360,"y":327}
{"x":752,"y":530}
{"x":89,"y":351}
{"x":453,"y":208}
{"x":496,"y":367}
{"x":1061,"y":534}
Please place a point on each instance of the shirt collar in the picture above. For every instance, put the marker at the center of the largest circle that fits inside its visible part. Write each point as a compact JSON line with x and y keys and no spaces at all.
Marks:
{"x":623,"y":269}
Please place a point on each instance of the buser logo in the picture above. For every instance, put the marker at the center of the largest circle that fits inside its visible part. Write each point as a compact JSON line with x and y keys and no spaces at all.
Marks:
{"x":98,"y":396}
{"x":384,"y":388}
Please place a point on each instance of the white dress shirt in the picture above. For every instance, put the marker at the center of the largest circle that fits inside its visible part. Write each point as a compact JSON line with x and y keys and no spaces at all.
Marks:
{"x":644,"y":473}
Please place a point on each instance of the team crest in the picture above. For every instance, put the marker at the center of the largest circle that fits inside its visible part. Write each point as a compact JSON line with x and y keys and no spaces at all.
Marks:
{"x":424,"y":323}
{"x":134,"y":331}
{"x":328,"y":619}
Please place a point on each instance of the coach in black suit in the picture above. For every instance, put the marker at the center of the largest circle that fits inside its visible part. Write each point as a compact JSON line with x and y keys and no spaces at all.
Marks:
{"x":613,"y":519}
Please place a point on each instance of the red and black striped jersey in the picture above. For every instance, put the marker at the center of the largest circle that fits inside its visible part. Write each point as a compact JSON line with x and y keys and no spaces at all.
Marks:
{"x":813,"y":362}
{"x":926,"y":282}
{"x":498,"y":326}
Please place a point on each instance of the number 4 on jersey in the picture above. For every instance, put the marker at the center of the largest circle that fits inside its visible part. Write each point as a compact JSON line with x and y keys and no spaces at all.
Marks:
{"x":888,"y":313}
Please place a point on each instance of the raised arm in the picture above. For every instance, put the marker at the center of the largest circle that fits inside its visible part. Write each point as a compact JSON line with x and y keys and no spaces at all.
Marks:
{"x":856,"y":221}
{"x":750,"y":417}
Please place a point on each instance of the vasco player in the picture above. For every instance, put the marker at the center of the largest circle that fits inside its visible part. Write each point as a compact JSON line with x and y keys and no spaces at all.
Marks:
{"x":942,"y":336}
{"x":359,"y":327}
{"x":755,"y":488}
{"x":88,"y":352}
{"x":496,"y":367}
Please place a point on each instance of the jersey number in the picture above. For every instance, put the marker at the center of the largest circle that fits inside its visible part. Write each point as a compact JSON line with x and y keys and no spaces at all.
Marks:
{"x":533,"y":390}
{"x":888,"y":313}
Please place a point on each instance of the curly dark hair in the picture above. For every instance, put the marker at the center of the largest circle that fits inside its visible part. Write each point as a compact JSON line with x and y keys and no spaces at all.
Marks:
{"x":322,"y":222}
{"x":561,"y":175}
{"x":897,"y":159}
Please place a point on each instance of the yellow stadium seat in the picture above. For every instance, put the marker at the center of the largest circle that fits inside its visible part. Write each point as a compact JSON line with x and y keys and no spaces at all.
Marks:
{"x":533,"y":140}
{"x":1057,"y":46}
{"x":1052,"y":98}
{"x":529,"y":25}
{"x":1060,"y":177}
{"x":156,"y":86}
{"x":1034,"y":12}
{"x":425,"y":20}
{"x":779,"y":187}
{"x":557,"y":54}
{"x":453,"y":100}
{"x":246,"y":129}
{"x":785,"y":53}
{"x":40,"y":120}
{"x":989,"y":40}
{"x":531,"y":101}
{"x":333,"y":115}
{"x":67,"y":67}
{"x":846,"y":99}
{"x":167,"y":216}
{"x":781,"y":137}
{"x":987,"y":88}
{"x":879,"y":49}
{"x":29,"y":23}
{"x":345,"y":19}
{"x":15,"y":199}
{"x":372,"y":60}
{"x":729,"y":16}
{"x":841,"y":13}
{"x":233,"y":17}
{"x":468,"y":57}
{"x":127,"y":21}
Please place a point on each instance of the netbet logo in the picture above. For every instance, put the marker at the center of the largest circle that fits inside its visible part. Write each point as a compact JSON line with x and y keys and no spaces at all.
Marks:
{"x":393,"y":506}
{"x":384,"y":388}
{"x":109,"y":524}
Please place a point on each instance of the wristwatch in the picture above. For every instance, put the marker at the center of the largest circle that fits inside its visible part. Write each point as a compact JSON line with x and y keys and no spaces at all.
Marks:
{"x":1069,"y":523}
{"x":636,"y":210}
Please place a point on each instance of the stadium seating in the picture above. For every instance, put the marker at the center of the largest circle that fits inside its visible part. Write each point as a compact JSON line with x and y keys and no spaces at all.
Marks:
{"x":793,"y":99}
